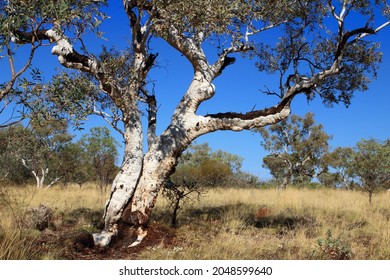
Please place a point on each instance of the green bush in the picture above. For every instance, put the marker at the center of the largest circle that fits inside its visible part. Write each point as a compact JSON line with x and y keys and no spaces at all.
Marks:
{"x":334,"y":248}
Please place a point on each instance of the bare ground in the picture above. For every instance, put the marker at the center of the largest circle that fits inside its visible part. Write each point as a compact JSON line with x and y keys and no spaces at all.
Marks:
{"x":76,"y":244}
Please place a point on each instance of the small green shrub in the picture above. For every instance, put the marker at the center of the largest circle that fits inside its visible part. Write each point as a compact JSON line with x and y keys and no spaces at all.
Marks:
{"x":334,"y":248}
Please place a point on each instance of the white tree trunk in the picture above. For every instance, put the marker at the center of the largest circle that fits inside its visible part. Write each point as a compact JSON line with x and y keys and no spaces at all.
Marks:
{"x":124,"y":183}
{"x":135,"y":189}
{"x":39,"y":179}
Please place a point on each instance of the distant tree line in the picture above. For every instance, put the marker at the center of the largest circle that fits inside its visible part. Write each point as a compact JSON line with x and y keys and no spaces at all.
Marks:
{"x":44,"y":153}
{"x":299,"y":154}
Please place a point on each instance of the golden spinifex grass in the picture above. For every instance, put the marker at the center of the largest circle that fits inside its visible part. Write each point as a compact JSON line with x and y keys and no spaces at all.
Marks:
{"x":226,"y":223}
{"x":73,"y":206}
{"x":290,"y":224}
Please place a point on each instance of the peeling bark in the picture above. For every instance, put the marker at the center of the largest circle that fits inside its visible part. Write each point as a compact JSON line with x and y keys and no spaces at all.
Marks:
{"x":125,"y":182}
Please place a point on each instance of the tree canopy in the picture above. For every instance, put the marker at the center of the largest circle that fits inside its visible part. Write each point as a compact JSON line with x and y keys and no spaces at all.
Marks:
{"x":371,"y":165}
{"x":296,"y":147}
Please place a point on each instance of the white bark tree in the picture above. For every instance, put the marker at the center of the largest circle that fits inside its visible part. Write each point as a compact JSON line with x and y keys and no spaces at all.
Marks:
{"x":333,"y":64}
{"x":38,"y":147}
{"x":297,"y":147}
{"x":38,"y":175}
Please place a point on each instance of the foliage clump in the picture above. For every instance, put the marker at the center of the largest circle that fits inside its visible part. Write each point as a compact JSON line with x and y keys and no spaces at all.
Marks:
{"x":296,"y":149}
{"x":334,"y":248}
{"x":198,"y":171}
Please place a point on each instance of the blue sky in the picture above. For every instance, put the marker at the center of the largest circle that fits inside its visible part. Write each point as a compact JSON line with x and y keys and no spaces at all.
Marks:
{"x":238,"y":89}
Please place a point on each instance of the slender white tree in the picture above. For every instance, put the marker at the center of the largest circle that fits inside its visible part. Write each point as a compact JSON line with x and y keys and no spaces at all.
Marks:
{"x":319,"y":52}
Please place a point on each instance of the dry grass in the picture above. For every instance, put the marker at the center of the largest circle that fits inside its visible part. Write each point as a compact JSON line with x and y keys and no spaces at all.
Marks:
{"x":290,"y":224}
{"x":72,"y":206}
{"x":225,"y":224}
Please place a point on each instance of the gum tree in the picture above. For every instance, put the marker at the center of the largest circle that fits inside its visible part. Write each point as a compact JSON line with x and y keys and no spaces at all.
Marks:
{"x":297,"y":147}
{"x":101,"y":148}
{"x":339,"y":173}
{"x":371,"y":165}
{"x":38,"y":150}
{"x":318,"y":52}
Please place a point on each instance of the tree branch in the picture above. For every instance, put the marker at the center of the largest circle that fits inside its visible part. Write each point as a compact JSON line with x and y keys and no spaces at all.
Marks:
{"x":67,"y":56}
{"x":152,"y":119}
{"x":371,"y":32}
{"x":224,"y":60}
{"x":12,"y":120}
{"x":238,"y":122}
{"x":256,"y":31}
{"x":70,"y":58}
{"x":16,"y":75}
{"x":111,"y":120}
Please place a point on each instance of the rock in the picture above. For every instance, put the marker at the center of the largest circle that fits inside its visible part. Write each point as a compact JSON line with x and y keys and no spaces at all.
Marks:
{"x":39,"y":218}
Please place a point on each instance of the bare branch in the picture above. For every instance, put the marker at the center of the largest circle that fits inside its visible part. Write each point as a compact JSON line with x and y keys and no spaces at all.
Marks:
{"x":238,"y":121}
{"x":12,"y":120}
{"x":365,"y":34}
{"x":269,"y":92}
{"x":224,"y":60}
{"x":111,"y":120}
{"x":257,"y":31}
{"x":15,"y":76}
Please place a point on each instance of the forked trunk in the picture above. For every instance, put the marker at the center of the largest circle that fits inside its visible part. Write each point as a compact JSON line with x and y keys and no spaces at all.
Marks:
{"x":159,"y":164}
{"x":135,"y":189}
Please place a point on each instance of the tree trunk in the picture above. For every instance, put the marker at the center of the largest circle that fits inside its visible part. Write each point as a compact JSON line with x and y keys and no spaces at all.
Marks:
{"x":370,"y":197}
{"x":135,"y":189}
{"x":286,"y":180}
{"x":176,"y":208}
{"x":39,"y":180}
{"x":125,"y":182}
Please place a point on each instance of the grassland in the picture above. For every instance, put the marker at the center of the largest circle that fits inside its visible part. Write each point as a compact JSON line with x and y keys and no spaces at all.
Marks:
{"x":225,"y":224}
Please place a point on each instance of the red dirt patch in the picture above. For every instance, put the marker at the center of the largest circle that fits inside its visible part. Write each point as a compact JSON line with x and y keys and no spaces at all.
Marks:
{"x":78,"y":245}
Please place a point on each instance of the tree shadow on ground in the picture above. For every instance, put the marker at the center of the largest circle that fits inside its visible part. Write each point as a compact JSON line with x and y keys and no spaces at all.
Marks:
{"x":73,"y":237}
{"x":284,"y":221}
{"x":262,"y":218}
{"x":85,"y":216}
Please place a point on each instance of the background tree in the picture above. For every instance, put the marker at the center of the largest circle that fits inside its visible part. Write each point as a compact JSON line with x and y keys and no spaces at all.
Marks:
{"x":33,"y":150}
{"x":297,"y":148}
{"x":199,"y":170}
{"x":74,"y":165}
{"x":101,"y":149}
{"x":211,"y":168}
{"x":339,"y":173}
{"x":371,"y":164}
{"x":11,"y":168}
{"x":39,"y":153}
{"x":318,"y":52}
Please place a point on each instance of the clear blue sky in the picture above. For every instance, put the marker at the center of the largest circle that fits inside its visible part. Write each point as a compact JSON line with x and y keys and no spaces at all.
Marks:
{"x":238,"y":89}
